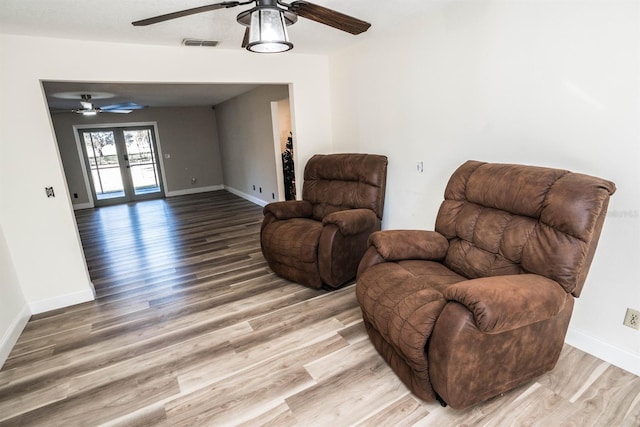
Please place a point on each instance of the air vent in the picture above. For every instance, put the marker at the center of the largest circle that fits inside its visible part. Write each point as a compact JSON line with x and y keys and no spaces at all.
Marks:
{"x":196,"y":42}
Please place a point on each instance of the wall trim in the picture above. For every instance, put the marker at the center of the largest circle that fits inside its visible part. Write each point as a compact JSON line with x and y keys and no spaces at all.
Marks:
{"x":194,"y":190}
{"x":246,"y":196}
{"x":621,"y":358}
{"x":167,"y":194}
{"x":62,"y":301}
{"x":82,"y":206}
{"x":12,"y":334}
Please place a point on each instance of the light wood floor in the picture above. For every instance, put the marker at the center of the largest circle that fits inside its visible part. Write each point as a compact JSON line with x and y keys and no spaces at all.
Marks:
{"x":190,"y":327}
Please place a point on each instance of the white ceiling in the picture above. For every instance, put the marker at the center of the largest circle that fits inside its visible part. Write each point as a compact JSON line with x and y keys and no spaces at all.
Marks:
{"x":110,"y":20}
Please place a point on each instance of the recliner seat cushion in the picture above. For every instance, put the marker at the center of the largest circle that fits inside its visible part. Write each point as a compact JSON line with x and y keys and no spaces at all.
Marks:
{"x":401,"y":302}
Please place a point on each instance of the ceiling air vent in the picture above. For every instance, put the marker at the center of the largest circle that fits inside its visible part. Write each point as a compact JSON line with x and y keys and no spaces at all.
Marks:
{"x":196,"y":42}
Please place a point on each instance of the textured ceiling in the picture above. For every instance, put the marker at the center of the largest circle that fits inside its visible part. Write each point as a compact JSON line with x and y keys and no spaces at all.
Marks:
{"x":111,"y":21}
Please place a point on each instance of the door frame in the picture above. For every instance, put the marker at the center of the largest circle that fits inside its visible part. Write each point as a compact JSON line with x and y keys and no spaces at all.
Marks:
{"x":278,"y":143}
{"x":83,"y":164}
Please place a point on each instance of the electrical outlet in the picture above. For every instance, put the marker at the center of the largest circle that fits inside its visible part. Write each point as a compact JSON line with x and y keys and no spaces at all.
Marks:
{"x":632,"y":318}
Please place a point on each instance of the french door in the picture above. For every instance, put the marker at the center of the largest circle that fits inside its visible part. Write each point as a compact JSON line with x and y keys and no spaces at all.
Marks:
{"x":122,"y":164}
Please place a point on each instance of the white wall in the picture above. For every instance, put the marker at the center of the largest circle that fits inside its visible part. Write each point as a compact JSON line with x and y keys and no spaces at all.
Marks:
{"x":245,"y":132}
{"x":551,"y":83}
{"x":40,"y":232}
{"x":187,"y":134}
{"x":14,"y":311}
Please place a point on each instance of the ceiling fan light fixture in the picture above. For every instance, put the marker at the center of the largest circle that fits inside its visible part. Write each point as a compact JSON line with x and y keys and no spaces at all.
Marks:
{"x":268,"y":32}
{"x":89,"y":113}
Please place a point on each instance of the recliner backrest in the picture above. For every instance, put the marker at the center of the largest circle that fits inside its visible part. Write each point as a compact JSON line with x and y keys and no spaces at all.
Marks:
{"x":336,"y":182}
{"x":510,"y":219}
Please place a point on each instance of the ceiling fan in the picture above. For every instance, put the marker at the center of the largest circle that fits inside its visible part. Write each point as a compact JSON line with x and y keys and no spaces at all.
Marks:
{"x":266,"y":22}
{"x":89,"y":109}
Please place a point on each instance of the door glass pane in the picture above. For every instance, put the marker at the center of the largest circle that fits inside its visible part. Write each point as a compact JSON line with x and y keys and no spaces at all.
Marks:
{"x":142,"y":161}
{"x":104,"y":164}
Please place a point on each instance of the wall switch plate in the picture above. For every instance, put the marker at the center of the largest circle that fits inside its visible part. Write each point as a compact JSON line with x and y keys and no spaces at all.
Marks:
{"x":632,"y":318}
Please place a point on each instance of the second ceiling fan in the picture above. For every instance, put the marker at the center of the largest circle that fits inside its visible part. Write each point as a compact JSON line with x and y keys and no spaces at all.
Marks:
{"x":89,"y":109}
{"x":266,"y":22}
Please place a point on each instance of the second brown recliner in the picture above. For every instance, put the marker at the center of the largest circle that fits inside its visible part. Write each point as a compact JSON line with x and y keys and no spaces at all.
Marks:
{"x":482,"y":304}
{"x":318,"y":241}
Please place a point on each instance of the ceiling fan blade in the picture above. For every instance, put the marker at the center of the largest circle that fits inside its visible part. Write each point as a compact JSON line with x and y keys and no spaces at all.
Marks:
{"x":186,"y":12}
{"x":116,"y":111}
{"x":245,"y":39}
{"x":329,"y":17}
{"x":123,"y":106}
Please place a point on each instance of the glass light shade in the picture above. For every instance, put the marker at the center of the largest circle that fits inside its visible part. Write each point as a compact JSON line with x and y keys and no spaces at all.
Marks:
{"x":268,"y":32}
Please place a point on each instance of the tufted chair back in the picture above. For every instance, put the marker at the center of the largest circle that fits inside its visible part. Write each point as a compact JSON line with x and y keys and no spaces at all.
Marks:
{"x":493,"y":230}
{"x":338,"y":182}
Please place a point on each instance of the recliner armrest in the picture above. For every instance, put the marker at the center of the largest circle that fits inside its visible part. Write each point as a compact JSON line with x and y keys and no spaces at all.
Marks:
{"x":503,"y":303}
{"x":352,"y":221}
{"x":289,"y":209}
{"x":398,"y":245}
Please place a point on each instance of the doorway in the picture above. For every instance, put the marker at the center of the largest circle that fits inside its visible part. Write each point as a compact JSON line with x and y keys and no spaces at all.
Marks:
{"x":122,"y":164}
{"x":283,"y":148}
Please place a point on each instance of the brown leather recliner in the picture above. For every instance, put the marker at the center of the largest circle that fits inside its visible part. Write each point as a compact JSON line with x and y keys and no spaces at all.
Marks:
{"x":318,"y":241}
{"x":482,"y":304}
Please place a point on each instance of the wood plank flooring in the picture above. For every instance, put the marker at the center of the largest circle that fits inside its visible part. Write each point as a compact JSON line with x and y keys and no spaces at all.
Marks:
{"x":190,"y":327}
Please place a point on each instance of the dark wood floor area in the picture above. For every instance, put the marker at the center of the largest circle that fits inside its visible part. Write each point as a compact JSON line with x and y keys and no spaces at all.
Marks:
{"x":190,"y":327}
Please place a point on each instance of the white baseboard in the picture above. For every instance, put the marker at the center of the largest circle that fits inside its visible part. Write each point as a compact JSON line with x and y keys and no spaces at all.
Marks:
{"x":194,"y":190}
{"x":616,"y":356}
{"x":82,"y":206}
{"x":62,"y":301}
{"x":246,"y":196}
{"x":174,"y":193}
{"x":12,"y":334}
